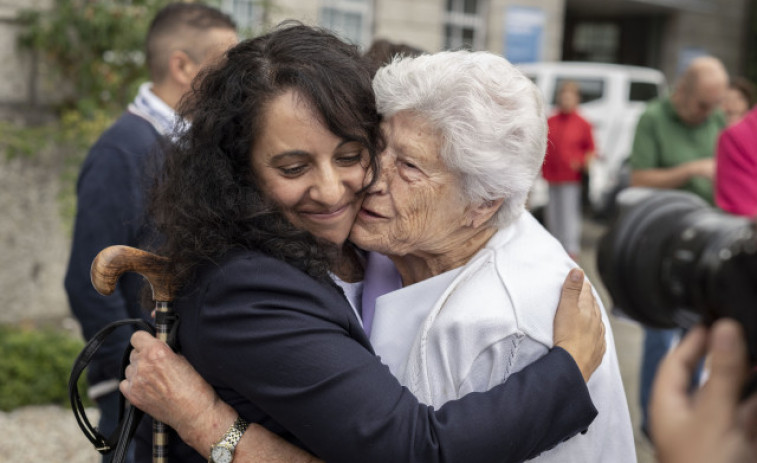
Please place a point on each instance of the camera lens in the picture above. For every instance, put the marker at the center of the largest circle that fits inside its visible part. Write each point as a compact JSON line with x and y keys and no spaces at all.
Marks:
{"x":670,"y":260}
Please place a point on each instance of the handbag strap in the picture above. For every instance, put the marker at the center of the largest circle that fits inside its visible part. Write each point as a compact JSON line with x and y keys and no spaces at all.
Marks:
{"x":128,"y":415}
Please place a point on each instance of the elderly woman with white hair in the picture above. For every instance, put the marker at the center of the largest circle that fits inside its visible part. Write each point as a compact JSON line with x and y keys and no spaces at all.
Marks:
{"x":481,"y":277}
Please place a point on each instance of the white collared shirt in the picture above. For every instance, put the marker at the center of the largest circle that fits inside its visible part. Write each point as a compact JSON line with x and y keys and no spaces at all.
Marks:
{"x":151,"y":108}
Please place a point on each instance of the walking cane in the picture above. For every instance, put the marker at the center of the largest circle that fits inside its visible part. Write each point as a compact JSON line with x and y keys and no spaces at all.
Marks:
{"x":108,"y":266}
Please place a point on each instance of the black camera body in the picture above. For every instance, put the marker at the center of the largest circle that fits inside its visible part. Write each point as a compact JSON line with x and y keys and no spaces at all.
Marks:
{"x":670,"y":260}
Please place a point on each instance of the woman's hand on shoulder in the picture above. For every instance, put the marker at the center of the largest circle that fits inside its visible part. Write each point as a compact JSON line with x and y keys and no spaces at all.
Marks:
{"x":578,"y":326}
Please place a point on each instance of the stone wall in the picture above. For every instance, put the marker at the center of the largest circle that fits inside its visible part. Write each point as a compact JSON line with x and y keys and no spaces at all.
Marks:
{"x":33,"y":242}
{"x":25,"y":95}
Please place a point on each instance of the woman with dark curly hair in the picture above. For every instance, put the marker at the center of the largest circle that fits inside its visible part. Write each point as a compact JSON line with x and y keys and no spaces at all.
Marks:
{"x":256,"y":201}
{"x":211,"y":198}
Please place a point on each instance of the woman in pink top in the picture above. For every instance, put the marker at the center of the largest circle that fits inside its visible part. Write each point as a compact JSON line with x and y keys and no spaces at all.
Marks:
{"x":736,"y":174}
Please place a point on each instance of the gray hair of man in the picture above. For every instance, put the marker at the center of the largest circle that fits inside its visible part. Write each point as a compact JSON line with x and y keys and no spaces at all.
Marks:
{"x":489,"y":116}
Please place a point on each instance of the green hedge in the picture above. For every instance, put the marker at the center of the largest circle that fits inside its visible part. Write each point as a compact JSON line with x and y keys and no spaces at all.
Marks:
{"x":35,"y":366}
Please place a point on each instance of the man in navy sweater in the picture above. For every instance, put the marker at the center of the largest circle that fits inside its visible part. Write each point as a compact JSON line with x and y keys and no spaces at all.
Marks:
{"x":114,"y":178}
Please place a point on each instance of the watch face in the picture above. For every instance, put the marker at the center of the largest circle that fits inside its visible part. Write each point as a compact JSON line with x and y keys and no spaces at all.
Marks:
{"x":221,"y":455}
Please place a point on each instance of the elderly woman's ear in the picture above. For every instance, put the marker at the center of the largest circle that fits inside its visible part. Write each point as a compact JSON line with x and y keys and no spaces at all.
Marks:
{"x":478,"y":215}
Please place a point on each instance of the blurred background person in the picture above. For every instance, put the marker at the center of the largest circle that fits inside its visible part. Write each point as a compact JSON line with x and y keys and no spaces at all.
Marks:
{"x":382,"y":51}
{"x":739,"y":99}
{"x":181,"y":40}
{"x":569,"y":150}
{"x":736,"y":173}
{"x":674,"y":147}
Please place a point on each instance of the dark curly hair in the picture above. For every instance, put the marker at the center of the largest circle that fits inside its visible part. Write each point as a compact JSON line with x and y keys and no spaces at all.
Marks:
{"x":746,"y":88}
{"x":207,"y":201}
{"x":382,"y":52}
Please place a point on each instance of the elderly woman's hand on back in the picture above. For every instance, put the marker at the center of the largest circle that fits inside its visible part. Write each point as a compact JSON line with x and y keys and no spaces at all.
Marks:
{"x":578,"y":324}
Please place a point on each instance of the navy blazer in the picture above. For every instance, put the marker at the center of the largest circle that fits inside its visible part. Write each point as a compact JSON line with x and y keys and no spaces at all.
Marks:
{"x":289,"y":353}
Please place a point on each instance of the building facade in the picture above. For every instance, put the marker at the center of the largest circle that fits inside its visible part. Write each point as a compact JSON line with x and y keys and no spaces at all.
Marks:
{"x":663,"y":34}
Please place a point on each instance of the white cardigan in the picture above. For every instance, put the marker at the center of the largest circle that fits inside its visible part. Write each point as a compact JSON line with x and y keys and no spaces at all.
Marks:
{"x":471,"y":328}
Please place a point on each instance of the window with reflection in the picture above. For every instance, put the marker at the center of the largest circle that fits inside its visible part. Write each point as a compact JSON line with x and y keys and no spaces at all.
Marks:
{"x":465,"y":25}
{"x":248,"y":14}
{"x":598,"y":42}
{"x":643,"y":91}
{"x":590,"y":89}
{"x":351,"y":19}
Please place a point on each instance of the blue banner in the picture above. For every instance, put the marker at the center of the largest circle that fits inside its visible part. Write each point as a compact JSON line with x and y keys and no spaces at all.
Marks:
{"x":524,"y":34}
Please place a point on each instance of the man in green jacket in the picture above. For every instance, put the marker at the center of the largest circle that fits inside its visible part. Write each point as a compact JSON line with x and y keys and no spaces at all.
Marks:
{"x":674,"y":148}
{"x":675,"y":137}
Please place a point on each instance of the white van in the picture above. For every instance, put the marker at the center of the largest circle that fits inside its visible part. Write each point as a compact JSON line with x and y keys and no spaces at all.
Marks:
{"x":613,"y":97}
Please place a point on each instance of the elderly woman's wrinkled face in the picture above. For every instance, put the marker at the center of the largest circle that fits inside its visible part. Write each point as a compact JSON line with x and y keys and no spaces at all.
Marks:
{"x":416,"y":205}
{"x":312,"y":174}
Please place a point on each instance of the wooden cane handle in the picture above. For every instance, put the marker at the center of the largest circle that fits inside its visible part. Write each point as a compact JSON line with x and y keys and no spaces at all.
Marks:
{"x":114,"y":261}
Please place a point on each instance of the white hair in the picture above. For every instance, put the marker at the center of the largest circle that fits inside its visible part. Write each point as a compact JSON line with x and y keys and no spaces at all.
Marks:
{"x":489,"y":116}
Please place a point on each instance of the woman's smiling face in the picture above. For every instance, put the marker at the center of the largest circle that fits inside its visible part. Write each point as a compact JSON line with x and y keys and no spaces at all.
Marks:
{"x":312,"y":174}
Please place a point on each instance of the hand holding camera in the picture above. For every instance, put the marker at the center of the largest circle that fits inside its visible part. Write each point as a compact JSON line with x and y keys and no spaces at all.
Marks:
{"x":711,"y":424}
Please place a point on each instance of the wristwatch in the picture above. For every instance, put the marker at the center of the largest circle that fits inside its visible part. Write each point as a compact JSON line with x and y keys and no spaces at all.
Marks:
{"x":223,"y":450}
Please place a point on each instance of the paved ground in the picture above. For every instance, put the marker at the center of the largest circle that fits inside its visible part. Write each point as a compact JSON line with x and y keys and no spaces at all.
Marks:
{"x":46,"y":434}
{"x":50,"y":434}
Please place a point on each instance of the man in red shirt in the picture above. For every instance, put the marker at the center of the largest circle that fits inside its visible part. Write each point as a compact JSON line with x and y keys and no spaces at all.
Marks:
{"x":570,"y":148}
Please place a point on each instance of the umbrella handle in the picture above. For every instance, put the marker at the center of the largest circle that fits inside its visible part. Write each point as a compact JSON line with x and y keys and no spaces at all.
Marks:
{"x":107,"y":268}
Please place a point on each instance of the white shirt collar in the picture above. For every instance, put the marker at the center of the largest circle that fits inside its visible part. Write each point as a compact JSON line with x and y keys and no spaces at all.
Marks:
{"x":149,"y":107}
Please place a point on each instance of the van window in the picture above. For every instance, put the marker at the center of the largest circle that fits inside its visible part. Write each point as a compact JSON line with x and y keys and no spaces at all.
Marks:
{"x":591,"y":89}
{"x":642,"y":91}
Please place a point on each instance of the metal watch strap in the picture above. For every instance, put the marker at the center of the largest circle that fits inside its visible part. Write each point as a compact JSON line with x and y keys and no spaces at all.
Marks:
{"x":232,"y":437}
